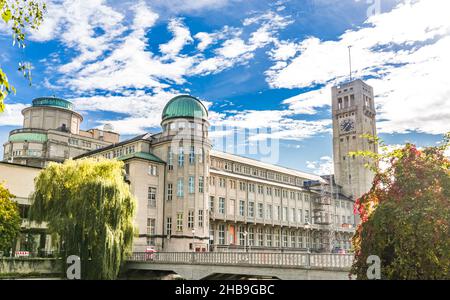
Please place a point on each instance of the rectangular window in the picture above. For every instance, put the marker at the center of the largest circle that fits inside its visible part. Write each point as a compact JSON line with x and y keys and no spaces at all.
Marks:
{"x":242,"y":208}
{"x":191,"y":184}
{"x":306,"y":216}
{"x":200,"y":184}
{"x":192,"y":155}
{"x":343,"y":219}
{"x":169,"y":226}
{"x":180,"y":156}
{"x":251,"y":209}
{"x":276,"y":238}
{"x":191,"y":219}
{"x":269,"y":211}
{"x":300,"y":218}
{"x":260,"y":237}
{"x":170,"y":159}
{"x":293,"y":239}
{"x":285,"y":238}
{"x":268,"y":237}
{"x":241,"y":236}
{"x":151,"y":197}
{"x":260,"y":210}
{"x":151,"y":231}
{"x":169,"y":192}
{"x":221,"y":205}
{"x":279,"y":213}
{"x":200,"y":218}
{"x":152,"y":170}
{"x":211,"y":203}
{"x":179,"y":221}
{"x":180,"y":187}
{"x":260,"y":189}
{"x":221,"y":234}
{"x":222,"y":182}
{"x":251,"y":237}
{"x":292,"y":216}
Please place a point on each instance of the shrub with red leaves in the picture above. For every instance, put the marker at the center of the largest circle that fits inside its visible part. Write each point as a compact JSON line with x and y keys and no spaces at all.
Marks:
{"x":405,"y":217}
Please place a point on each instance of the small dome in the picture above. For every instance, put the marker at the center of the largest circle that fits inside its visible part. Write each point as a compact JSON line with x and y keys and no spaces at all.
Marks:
{"x":108,"y":127}
{"x":184,"y":106}
{"x":52,"y":101}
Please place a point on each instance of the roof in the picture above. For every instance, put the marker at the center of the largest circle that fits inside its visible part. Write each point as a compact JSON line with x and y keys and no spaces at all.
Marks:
{"x":142,"y":155}
{"x":184,"y":106}
{"x":52,"y":101}
{"x":28,"y":136}
{"x":112,"y":146}
{"x":257,"y":163}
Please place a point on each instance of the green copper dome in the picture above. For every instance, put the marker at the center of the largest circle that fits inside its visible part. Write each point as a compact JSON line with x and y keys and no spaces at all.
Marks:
{"x":184,"y":106}
{"x":53,"y":101}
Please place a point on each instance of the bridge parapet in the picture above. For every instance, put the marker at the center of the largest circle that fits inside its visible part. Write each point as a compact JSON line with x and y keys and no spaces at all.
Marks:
{"x":254,"y":259}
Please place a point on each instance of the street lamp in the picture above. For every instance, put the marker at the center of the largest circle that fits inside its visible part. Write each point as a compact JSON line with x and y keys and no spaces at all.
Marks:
{"x":245,"y":240}
{"x":193,"y":236}
{"x":308,"y":237}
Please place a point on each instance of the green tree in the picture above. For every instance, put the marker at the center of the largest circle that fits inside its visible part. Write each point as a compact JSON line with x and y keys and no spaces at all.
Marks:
{"x":406,"y":214}
{"x":89,"y":205}
{"x":19,"y":15}
{"x":9,"y":219}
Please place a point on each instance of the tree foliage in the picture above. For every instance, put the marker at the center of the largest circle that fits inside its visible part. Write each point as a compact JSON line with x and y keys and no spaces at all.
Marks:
{"x":9,"y":219}
{"x":406,"y":214}
{"x":19,"y":15}
{"x":89,"y":205}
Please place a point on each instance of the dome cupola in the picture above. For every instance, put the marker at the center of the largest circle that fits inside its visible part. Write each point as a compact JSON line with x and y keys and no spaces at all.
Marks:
{"x":184,"y":106}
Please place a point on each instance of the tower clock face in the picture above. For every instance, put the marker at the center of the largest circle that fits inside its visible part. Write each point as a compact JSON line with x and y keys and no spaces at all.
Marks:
{"x":347,"y":125}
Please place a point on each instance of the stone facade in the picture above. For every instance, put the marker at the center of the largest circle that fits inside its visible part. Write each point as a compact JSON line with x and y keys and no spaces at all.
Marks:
{"x":191,"y":197}
{"x":353,"y":110}
{"x":51,"y":132}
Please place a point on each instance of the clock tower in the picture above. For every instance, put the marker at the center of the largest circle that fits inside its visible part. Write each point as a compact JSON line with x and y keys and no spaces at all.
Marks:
{"x":353,"y":112}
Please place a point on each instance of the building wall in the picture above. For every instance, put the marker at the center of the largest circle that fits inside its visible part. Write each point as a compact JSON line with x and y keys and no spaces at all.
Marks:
{"x":51,"y":118}
{"x":353,"y":102}
{"x":141,"y":180}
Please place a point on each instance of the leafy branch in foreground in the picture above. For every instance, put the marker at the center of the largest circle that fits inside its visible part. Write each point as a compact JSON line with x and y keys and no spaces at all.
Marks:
{"x":19,"y":15}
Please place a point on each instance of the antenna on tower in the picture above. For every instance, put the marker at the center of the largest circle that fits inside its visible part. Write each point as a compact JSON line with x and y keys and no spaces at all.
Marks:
{"x":350,"y":60}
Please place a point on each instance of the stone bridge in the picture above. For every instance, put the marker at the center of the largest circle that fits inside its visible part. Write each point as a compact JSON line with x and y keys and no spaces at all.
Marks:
{"x":232,"y":265}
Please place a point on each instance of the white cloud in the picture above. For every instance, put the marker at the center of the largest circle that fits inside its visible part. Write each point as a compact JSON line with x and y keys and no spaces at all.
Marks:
{"x":12,"y":116}
{"x":405,"y":51}
{"x":207,"y":39}
{"x":323,"y":166}
{"x":284,"y":50}
{"x":271,"y":124}
{"x":191,"y":6}
{"x":181,"y":37}
{"x":307,"y":103}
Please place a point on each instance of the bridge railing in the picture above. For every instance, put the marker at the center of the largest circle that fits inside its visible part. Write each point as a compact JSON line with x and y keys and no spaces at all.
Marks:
{"x":338,"y":261}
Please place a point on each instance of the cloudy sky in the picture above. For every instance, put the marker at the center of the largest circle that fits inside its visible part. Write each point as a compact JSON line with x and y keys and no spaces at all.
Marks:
{"x":255,"y":64}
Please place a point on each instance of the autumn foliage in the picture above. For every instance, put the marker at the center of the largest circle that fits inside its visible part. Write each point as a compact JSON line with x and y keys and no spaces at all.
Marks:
{"x":405,"y":217}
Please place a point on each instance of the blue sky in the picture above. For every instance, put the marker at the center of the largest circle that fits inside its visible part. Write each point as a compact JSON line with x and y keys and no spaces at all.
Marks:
{"x":255,"y":64}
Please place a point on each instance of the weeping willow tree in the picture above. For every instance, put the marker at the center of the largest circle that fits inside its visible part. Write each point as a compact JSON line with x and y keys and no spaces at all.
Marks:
{"x":89,"y":205}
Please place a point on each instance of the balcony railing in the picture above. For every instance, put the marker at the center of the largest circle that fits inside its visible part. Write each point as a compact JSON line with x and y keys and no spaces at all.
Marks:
{"x":292,"y":260}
